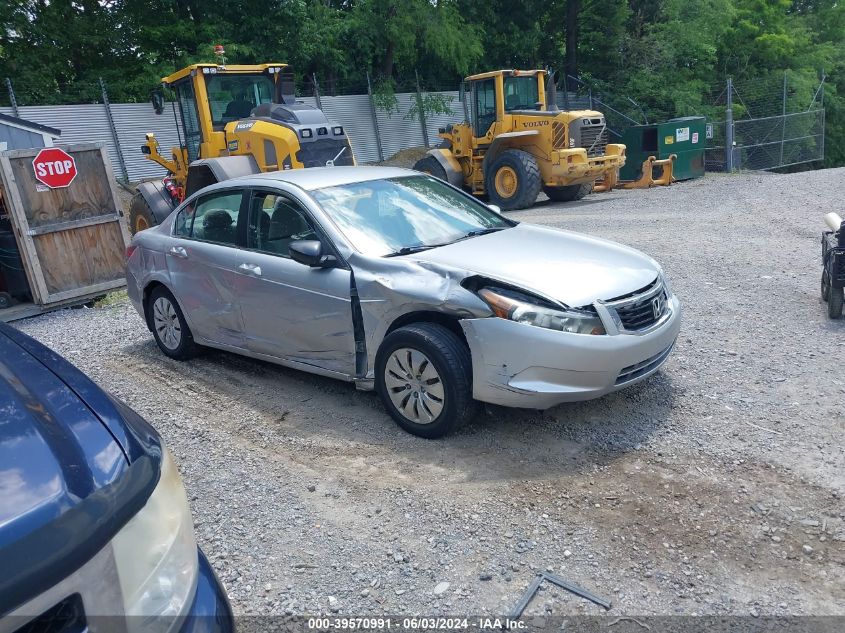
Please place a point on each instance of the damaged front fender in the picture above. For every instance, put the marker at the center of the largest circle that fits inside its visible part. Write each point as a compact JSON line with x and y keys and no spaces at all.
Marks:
{"x":391,"y":288}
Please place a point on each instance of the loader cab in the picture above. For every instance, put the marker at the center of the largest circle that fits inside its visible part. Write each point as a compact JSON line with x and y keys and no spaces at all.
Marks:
{"x":502,"y":92}
{"x":209,"y":96}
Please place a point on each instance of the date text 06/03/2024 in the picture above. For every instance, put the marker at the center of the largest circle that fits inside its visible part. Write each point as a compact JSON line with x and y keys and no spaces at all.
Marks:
{"x":410,"y":624}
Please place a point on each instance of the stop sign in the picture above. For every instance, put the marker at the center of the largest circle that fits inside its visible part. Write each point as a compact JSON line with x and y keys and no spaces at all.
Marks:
{"x":54,"y":167}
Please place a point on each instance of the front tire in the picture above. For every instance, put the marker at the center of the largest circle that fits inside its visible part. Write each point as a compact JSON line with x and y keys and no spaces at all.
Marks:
{"x":169,"y":327}
{"x":513,"y":180}
{"x":431,"y":166}
{"x":570,"y":193}
{"x":835,"y":300}
{"x":140,"y":215}
{"x":424,"y":379}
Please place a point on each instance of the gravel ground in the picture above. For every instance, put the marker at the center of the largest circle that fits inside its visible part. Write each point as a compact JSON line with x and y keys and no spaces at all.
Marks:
{"x":715,"y":487}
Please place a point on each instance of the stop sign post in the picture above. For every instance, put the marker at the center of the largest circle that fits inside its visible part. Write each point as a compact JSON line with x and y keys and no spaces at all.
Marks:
{"x":54,"y":167}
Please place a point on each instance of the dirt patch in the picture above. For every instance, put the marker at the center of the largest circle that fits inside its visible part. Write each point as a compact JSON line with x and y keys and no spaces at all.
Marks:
{"x":405,"y":158}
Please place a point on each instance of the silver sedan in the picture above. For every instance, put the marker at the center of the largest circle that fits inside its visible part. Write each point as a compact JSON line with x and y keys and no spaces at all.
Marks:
{"x":396,"y":281}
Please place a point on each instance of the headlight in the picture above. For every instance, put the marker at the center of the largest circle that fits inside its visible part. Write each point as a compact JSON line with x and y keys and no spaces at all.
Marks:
{"x":522,"y":308}
{"x":156,"y":556}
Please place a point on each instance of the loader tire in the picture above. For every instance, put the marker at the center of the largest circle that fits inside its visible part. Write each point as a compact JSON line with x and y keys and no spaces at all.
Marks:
{"x":140,"y":215}
{"x":513,"y":180}
{"x":568,"y":194}
{"x":431,"y":166}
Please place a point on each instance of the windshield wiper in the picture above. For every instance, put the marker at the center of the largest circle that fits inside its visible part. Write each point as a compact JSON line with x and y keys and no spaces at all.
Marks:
{"x":407,"y":250}
{"x":492,"y":229}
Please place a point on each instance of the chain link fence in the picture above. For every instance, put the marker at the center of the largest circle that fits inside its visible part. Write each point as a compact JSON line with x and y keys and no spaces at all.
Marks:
{"x":765,"y":123}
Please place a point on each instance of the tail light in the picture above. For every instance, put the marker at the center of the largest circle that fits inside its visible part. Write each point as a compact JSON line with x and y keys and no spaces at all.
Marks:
{"x":130,"y":249}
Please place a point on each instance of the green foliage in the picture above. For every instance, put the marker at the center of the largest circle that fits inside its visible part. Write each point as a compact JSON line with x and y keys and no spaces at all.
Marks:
{"x":670,"y":56}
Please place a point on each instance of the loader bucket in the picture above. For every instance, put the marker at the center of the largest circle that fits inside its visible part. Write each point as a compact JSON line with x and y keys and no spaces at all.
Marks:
{"x":647,"y":178}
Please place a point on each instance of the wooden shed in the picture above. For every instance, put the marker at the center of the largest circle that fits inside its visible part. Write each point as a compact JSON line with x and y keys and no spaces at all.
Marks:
{"x":62,"y":209}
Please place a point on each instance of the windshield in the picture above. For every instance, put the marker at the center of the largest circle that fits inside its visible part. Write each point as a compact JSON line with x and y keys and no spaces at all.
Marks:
{"x":383,"y":217}
{"x":233,"y":97}
{"x":521,"y":93}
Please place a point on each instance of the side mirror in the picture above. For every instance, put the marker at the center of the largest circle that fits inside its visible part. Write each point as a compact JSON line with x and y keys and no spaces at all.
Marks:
{"x":495,"y":207}
{"x":157,"y":99}
{"x":310,"y":253}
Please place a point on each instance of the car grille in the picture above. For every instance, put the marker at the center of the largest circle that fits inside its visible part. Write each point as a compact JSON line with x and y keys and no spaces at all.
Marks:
{"x":594,"y":139}
{"x":643,"y":308}
{"x":632,"y":372}
{"x":68,"y":616}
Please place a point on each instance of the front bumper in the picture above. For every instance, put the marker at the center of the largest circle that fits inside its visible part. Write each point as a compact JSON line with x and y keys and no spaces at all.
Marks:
{"x":518,"y":365}
{"x":573,"y":166}
{"x":210,"y":611}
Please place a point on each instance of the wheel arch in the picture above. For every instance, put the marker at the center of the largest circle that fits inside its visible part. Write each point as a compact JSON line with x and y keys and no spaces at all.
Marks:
{"x":151,"y":285}
{"x":450,"y":164}
{"x":157,"y":199}
{"x":450,"y":321}
{"x":502,"y":143}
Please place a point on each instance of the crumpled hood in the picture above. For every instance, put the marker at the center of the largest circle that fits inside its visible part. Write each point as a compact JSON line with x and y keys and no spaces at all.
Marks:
{"x":572,"y":268}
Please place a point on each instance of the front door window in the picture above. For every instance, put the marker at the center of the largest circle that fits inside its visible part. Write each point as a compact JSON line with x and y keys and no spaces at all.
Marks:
{"x":484,"y":93}
{"x":190,"y":118}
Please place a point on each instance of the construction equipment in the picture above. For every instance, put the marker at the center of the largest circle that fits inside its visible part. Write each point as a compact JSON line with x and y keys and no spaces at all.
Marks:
{"x":236,"y":120}
{"x":518,"y":142}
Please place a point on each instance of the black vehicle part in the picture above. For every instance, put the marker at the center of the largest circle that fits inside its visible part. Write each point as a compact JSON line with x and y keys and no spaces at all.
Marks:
{"x":11,"y":268}
{"x":186,"y":348}
{"x":431,"y":166}
{"x":208,"y":171}
{"x":151,"y":203}
{"x":450,"y":357}
{"x":570,"y":193}
{"x":578,"y":591}
{"x":528,"y":180}
{"x":527,"y":596}
{"x":534,"y":587}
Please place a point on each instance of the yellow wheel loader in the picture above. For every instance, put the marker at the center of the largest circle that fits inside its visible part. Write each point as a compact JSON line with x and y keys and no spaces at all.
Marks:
{"x":518,"y":142}
{"x":234,"y":121}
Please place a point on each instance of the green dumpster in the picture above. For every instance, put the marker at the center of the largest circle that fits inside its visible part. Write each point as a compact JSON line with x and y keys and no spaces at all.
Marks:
{"x":683,"y":137}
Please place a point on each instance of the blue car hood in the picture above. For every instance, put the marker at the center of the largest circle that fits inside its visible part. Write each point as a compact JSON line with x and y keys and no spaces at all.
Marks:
{"x":75,"y":465}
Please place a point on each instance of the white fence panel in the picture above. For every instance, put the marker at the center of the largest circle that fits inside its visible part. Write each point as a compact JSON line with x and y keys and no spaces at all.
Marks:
{"x":398,"y":130}
{"x":133,"y":121}
{"x":354,"y":114}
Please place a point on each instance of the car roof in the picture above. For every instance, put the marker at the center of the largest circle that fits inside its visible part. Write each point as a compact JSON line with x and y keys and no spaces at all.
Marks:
{"x":318,"y":177}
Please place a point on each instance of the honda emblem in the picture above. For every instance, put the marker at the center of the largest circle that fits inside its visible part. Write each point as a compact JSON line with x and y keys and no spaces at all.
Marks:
{"x":657,"y":306}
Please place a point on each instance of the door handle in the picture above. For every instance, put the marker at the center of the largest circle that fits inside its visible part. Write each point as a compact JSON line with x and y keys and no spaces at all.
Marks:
{"x":251,"y":268}
{"x":178,"y":251}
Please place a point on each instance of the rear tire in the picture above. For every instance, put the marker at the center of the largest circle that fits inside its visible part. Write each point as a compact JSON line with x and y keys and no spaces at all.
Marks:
{"x":424,"y":379}
{"x":834,"y":302}
{"x":6,"y":300}
{"x":513,"y":180}
{"x":169,"y":327}
{"x":431,"y":166}
{"x":140,"y":215}
{"x":570,"y":193}
{"x":825,"y":286}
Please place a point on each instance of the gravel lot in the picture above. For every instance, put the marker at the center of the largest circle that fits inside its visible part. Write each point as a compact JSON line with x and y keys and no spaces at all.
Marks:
{"x":715,"y":487}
